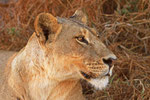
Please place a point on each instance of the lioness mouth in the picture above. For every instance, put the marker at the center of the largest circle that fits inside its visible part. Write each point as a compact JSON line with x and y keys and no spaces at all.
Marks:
{"x":86,"y":75}
{"x":89,"y":76}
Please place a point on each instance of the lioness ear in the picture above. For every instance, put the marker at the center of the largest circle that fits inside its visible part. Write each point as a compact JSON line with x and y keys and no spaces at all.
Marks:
{"x":80,"y":15}
{"x":46,"y":26}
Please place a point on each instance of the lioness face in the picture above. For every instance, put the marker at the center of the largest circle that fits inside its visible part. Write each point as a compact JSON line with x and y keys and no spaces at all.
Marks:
{"x":77,"y":46}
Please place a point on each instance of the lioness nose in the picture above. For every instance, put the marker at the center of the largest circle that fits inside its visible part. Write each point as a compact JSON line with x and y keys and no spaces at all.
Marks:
{"x":109,"y":60}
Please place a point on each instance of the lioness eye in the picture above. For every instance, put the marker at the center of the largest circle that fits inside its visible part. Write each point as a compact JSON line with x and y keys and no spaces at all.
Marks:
{"x":82,"y":39}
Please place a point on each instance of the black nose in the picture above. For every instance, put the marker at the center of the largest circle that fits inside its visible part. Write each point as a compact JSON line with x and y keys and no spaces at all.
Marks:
{"x":108,"y":61}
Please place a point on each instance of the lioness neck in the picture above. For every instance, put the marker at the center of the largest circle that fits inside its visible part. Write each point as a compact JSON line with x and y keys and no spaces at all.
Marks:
{"x":35,"y":81}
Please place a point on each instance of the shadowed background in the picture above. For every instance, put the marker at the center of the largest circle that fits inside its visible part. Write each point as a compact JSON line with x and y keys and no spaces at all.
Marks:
{"x":124,"y":26}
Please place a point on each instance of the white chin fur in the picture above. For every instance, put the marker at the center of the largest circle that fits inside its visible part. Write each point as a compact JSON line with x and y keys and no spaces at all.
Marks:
{"x":100,"y":83}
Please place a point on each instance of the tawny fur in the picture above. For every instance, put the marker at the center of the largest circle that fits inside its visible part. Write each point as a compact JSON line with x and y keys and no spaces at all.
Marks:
{"x":49,"y":66}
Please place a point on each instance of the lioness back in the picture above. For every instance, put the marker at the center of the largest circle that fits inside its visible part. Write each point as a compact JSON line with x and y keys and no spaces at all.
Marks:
{"x":4,"y":56}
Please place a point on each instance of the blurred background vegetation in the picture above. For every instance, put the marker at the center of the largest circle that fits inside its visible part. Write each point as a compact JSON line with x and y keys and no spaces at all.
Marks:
{"x":124,"y":26}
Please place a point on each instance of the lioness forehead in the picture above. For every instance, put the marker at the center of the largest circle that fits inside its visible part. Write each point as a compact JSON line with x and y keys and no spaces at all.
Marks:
{"x":75,"y":22}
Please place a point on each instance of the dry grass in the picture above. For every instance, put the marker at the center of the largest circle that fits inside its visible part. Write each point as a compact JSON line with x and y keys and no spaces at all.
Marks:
{"x":124,"y":26}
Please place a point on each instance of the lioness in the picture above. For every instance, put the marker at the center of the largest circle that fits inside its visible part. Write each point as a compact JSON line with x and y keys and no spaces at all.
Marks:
{"x":60,"y":52}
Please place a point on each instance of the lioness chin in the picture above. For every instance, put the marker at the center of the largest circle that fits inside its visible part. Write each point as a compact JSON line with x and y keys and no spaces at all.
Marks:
{"x":60,"y":52}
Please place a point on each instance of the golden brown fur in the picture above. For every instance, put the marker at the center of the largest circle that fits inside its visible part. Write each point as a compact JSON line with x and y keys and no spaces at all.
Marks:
{"x":60,"y":52}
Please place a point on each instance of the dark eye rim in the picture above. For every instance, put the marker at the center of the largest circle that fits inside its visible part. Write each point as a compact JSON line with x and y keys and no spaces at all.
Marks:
{"x":82,"y":39}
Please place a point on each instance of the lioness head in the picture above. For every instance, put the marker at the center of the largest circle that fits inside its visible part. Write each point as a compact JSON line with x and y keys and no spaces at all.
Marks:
{"x":75,"y":48}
